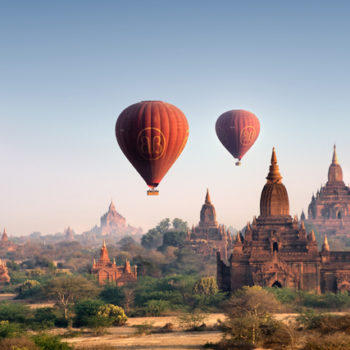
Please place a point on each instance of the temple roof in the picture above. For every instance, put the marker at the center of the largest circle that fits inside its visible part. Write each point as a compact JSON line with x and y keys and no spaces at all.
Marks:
{"x":274,"y":197}
{"x":208,"y":213}
{"x":104,"y":253}
{"x":335,"y":172}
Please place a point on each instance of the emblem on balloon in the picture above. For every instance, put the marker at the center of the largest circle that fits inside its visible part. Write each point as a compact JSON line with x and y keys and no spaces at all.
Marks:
{"x":247,"y":135}
{"x":151,"y":143}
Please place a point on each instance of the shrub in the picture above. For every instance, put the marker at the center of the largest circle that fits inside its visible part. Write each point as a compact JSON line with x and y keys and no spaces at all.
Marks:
{"x":50,"y":342}
{"x":114,"y":313}
{"x":338,"y":341}
{"x":206,"y":286}
{"x":144,"y":328}
{"x":8,"y":330}
{"x":14,"y":312}
{"x":156,"y":307}
{"x":24,"y":343}
{"x":44,"y":317}
{"x":85,"y":311}
{"x":112,"y":294}
{"x":191,"y":321}
{"x":29,"y":289}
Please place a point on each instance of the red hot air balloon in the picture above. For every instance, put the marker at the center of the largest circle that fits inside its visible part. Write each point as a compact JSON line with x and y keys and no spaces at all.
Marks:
{"x":237,"y":130}
{"x":152,"y":135}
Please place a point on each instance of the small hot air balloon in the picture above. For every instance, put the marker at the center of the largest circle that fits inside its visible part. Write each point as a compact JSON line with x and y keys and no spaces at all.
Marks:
{"x":237,"y":130}
{"x":152,"y":135}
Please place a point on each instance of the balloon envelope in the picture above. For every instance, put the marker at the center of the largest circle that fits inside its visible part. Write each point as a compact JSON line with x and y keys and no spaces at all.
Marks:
{"x":152,"y":135}
{"x":237,"y":130}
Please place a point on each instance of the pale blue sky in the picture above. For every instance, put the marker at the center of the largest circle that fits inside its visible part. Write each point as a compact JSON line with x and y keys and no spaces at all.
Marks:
{"x":68,"y":68}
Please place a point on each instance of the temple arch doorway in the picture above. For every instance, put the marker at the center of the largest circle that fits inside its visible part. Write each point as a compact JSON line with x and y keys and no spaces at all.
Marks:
{"x":277,"y":284}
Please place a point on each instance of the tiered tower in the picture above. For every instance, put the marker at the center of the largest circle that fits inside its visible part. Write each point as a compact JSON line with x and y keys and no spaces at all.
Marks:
{"x":209,"y":237}
{"x":107,"y":271}
{"x":329,"y":210}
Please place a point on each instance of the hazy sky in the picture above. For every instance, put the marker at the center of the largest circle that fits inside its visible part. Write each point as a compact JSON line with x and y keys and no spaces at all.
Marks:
{"x":68,"y":68}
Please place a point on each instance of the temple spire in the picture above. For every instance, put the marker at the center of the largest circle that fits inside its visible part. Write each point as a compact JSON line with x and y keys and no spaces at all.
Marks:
{"x":112,"y":206}
{"x":325,"y":245}
{"x":207,"y":197}
{"x":335,"y":156}
{"x":274,"y":175}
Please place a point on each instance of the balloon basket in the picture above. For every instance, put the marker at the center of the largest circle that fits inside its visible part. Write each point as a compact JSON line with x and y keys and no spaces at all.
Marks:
{"x":152,"y":192}
{"x":238,"y":163}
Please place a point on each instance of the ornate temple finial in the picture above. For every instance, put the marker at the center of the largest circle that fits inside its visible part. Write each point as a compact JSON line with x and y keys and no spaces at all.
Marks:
{"x":302,"y":225}
{"x":238,"y":237}
{"x":274,"y":173}
{"x":312,"y":236}
{"x":4,"y":236}
{"x":104,"y":243}
{"x":335,"y":156}
{"x":325,"y":245}
{"x":112,"y":206}
{"x":94,"y":262}
{"x":248,"y":226}
{"x":114,"y":261}
{"x":207,"y":197}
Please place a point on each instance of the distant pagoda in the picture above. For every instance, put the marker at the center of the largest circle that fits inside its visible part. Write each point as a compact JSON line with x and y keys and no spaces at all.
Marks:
{"x":329,"y":210}
{"x":209,"y":237}
{"x":107,"y":271}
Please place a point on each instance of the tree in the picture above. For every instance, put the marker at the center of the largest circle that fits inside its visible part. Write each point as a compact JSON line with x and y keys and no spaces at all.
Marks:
{"x":248,"y":310}
{"x":14,"y":312}
{"x":154,"y":237}
{"x":66,"y":290}
{"x":173,"y":239}
{"x":86,"y":312}
{"x":112,"y":294}
{"x":206,"y":286}
{"x":129,"y":298}
{"x":115,"y":313}
{"x":180,"y":225}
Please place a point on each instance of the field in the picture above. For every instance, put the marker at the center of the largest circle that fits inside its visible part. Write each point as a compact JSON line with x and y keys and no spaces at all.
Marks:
{"x":127,"y":337}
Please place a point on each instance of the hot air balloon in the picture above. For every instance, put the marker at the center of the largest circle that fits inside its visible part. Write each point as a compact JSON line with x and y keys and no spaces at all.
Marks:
{"x":152,"y":135}
{"x":237,"y":130}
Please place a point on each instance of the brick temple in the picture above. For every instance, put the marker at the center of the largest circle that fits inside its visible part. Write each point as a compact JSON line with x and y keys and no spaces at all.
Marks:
{"x":277,"y":251}
{"x":108,"y":272}
{"x":209,"y":237}
{"x":329,"y":210}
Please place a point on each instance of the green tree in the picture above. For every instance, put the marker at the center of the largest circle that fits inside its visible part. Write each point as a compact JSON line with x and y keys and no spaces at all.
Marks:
{"x":66,"y":290}
{"x":14,"y":312}
{"x":206,"y":286}
{"x":154,"y":237}
{"x":248,"y":311}
{"x":50,"y":342}
{"x":111,"y":294}
{"x":173,"y":239}
{"x":9,"y":330}
{"x":86,"y":312}
{"x":180,"y":225}
{"x":115,"y":313}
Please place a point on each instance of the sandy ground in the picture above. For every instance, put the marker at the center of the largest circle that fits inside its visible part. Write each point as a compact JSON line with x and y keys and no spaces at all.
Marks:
{"x":126,"y":338}
{"x":7,"y":296}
